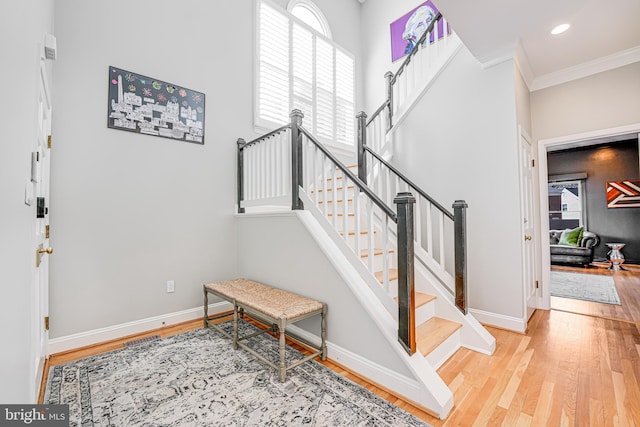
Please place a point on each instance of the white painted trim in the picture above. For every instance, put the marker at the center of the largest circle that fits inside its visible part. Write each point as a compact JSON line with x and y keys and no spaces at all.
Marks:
{"x":497,"y":61}
{"x":511,"y":323}
{"x":544,"y":146}
{"x":445,"y":350}
{"x":522,"y":62}
{"x":83,"y":339}
{"x":606,"y":63}
{"x":455,"y":45}
{"x":379,"y":374}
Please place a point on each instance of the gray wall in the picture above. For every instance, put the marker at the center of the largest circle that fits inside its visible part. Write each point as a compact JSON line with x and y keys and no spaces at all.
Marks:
{"x":130,"y":211}
{"x":610,"y":162}
{"x":22,"y":28}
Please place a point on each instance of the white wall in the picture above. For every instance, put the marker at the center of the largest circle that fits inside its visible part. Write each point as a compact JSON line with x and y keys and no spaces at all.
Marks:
{"x":130,"y":211}
{"x":22,"y":28}
{"x":601,"y":101}
{"x":460,"y":142}
{"x":523,"y":100}
{"x":279,"y":250}
{"x":377,"y":15}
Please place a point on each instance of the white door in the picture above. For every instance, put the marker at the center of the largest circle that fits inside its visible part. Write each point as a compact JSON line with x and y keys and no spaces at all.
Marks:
{"x":41,"y":200}
{"x":528,"y":223}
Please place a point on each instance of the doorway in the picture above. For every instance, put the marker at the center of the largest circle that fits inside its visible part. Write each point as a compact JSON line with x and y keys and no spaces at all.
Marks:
{"x":589,"y":214}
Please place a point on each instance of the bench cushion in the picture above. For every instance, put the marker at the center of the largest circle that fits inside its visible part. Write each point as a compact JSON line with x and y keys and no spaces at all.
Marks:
{"x":275,"y":303}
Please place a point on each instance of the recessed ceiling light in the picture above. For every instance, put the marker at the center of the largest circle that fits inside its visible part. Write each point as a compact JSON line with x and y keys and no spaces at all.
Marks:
{"x":560,"y":29}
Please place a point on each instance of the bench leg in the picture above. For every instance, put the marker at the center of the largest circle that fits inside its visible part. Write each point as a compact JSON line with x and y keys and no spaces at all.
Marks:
{"x":283,"y":368}
{"x":206,"y":307}
{"x":235,"y":325}
{"x":323,"y":332}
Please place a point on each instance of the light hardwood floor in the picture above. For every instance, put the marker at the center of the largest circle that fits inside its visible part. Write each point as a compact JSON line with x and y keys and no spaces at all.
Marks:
{"x":567,"y":370}
{"x":628,"y":287}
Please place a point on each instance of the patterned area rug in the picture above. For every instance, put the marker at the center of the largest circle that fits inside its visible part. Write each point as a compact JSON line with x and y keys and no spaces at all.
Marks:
{"x":587,"y":287}
{"x":197,"y":379}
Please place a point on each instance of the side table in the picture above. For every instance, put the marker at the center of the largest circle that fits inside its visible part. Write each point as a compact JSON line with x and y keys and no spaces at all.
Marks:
{"x":615,"y":256}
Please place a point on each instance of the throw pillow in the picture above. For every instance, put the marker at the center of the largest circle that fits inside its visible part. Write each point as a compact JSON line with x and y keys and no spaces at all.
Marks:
{"x":571,"y":237}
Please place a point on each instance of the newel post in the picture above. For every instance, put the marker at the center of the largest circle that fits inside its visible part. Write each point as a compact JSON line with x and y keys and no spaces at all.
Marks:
{"x":296,"y":159}
{"x":240,"y":182}
{"x":389,"y":77}
{"x":406,"y":280}
{"x":460,"y":237}
{"x":362,"y":142}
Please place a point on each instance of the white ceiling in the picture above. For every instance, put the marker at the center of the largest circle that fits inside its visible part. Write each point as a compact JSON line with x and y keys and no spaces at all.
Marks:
{"x":603,"y":34}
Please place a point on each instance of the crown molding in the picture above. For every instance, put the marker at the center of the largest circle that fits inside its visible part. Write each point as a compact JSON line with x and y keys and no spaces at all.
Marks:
{"x":522,"y":62}
{"x":606,"y":63}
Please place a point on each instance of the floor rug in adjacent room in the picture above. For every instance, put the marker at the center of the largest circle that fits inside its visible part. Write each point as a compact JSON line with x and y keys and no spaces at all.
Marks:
{"x":197,"y":379}
{"x":587,"y":287}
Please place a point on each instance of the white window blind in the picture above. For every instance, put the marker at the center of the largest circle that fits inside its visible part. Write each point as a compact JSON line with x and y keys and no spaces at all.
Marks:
{"x":299,"y":68}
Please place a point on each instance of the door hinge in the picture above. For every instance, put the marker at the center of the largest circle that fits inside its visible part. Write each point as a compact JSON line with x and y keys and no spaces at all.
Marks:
{"x":46,"y":231}
{"x":49,"y":141}
{"x":46,"y":323}
{"x":533,"y":162}
{"x":537,"y":284}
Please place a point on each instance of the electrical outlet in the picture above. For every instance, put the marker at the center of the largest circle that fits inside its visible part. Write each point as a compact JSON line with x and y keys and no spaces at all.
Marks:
{"x":171,"y":286}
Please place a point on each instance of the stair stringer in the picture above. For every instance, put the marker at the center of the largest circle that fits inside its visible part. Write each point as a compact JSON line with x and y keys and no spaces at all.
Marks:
{"x":429,"y":390}
{"x":472,"y":334}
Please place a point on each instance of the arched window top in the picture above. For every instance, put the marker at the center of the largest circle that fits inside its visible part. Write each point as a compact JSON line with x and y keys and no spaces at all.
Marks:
{"x":310,"y":14}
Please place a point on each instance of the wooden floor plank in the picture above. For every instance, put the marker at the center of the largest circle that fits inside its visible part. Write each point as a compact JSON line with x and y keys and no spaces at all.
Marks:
{"x":567,"y":370}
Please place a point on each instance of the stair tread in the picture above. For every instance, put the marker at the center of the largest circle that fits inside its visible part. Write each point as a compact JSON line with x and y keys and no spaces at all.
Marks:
{"x":353,"y":233}
{"x":337,"y":201}
{"x":349,"y":187}
{"x":338,"y":177}
{"x":365,"y":253}
{"x":341,"y":214}
{"x":393,"y":275}
{"x":434,"y":332}
{"x":421,"y":299}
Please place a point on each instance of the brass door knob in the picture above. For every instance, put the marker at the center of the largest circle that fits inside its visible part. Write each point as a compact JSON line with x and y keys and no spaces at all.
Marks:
{"x":527,"y":237}
{"x":39,"y":253}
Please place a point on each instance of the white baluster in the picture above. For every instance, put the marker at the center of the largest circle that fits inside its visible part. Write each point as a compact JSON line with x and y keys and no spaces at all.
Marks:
{"x":389,"y":196}
{"x":324,"y":185}
{"x":418,"y":221}
{"x":370,"y":242}
{"x":334,"y":190}
{"x":271,"y":176}
{"x":429,"y":228}
{"x":315,"y":174}
{"x":385,"y":252}
{"x":356,"y":211}
{"x":441,"y":233}
{"x":345,"y":205}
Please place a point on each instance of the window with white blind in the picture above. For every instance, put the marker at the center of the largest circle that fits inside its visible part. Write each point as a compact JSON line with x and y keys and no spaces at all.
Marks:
{"x":300,"y":68}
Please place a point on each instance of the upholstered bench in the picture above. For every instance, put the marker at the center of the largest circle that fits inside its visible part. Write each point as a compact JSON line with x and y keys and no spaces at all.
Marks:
{"x":273,"y":306}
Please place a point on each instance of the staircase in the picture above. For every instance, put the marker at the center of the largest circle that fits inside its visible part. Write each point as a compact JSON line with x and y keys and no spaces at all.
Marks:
{"x":408,"y":250}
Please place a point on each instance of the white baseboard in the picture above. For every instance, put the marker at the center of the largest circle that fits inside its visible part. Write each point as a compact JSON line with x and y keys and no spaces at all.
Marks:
{"x":400,"y":384}
{"x":83,"y":339}
{"x":510,"y":323}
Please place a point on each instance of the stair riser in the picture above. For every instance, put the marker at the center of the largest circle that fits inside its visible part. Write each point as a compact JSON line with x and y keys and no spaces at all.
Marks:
{"x":339,"y":206}
{"x":445,"y":350}
{"x":425,"y":312}
{"x":378,"y":261}
{"x":339,"y":221}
